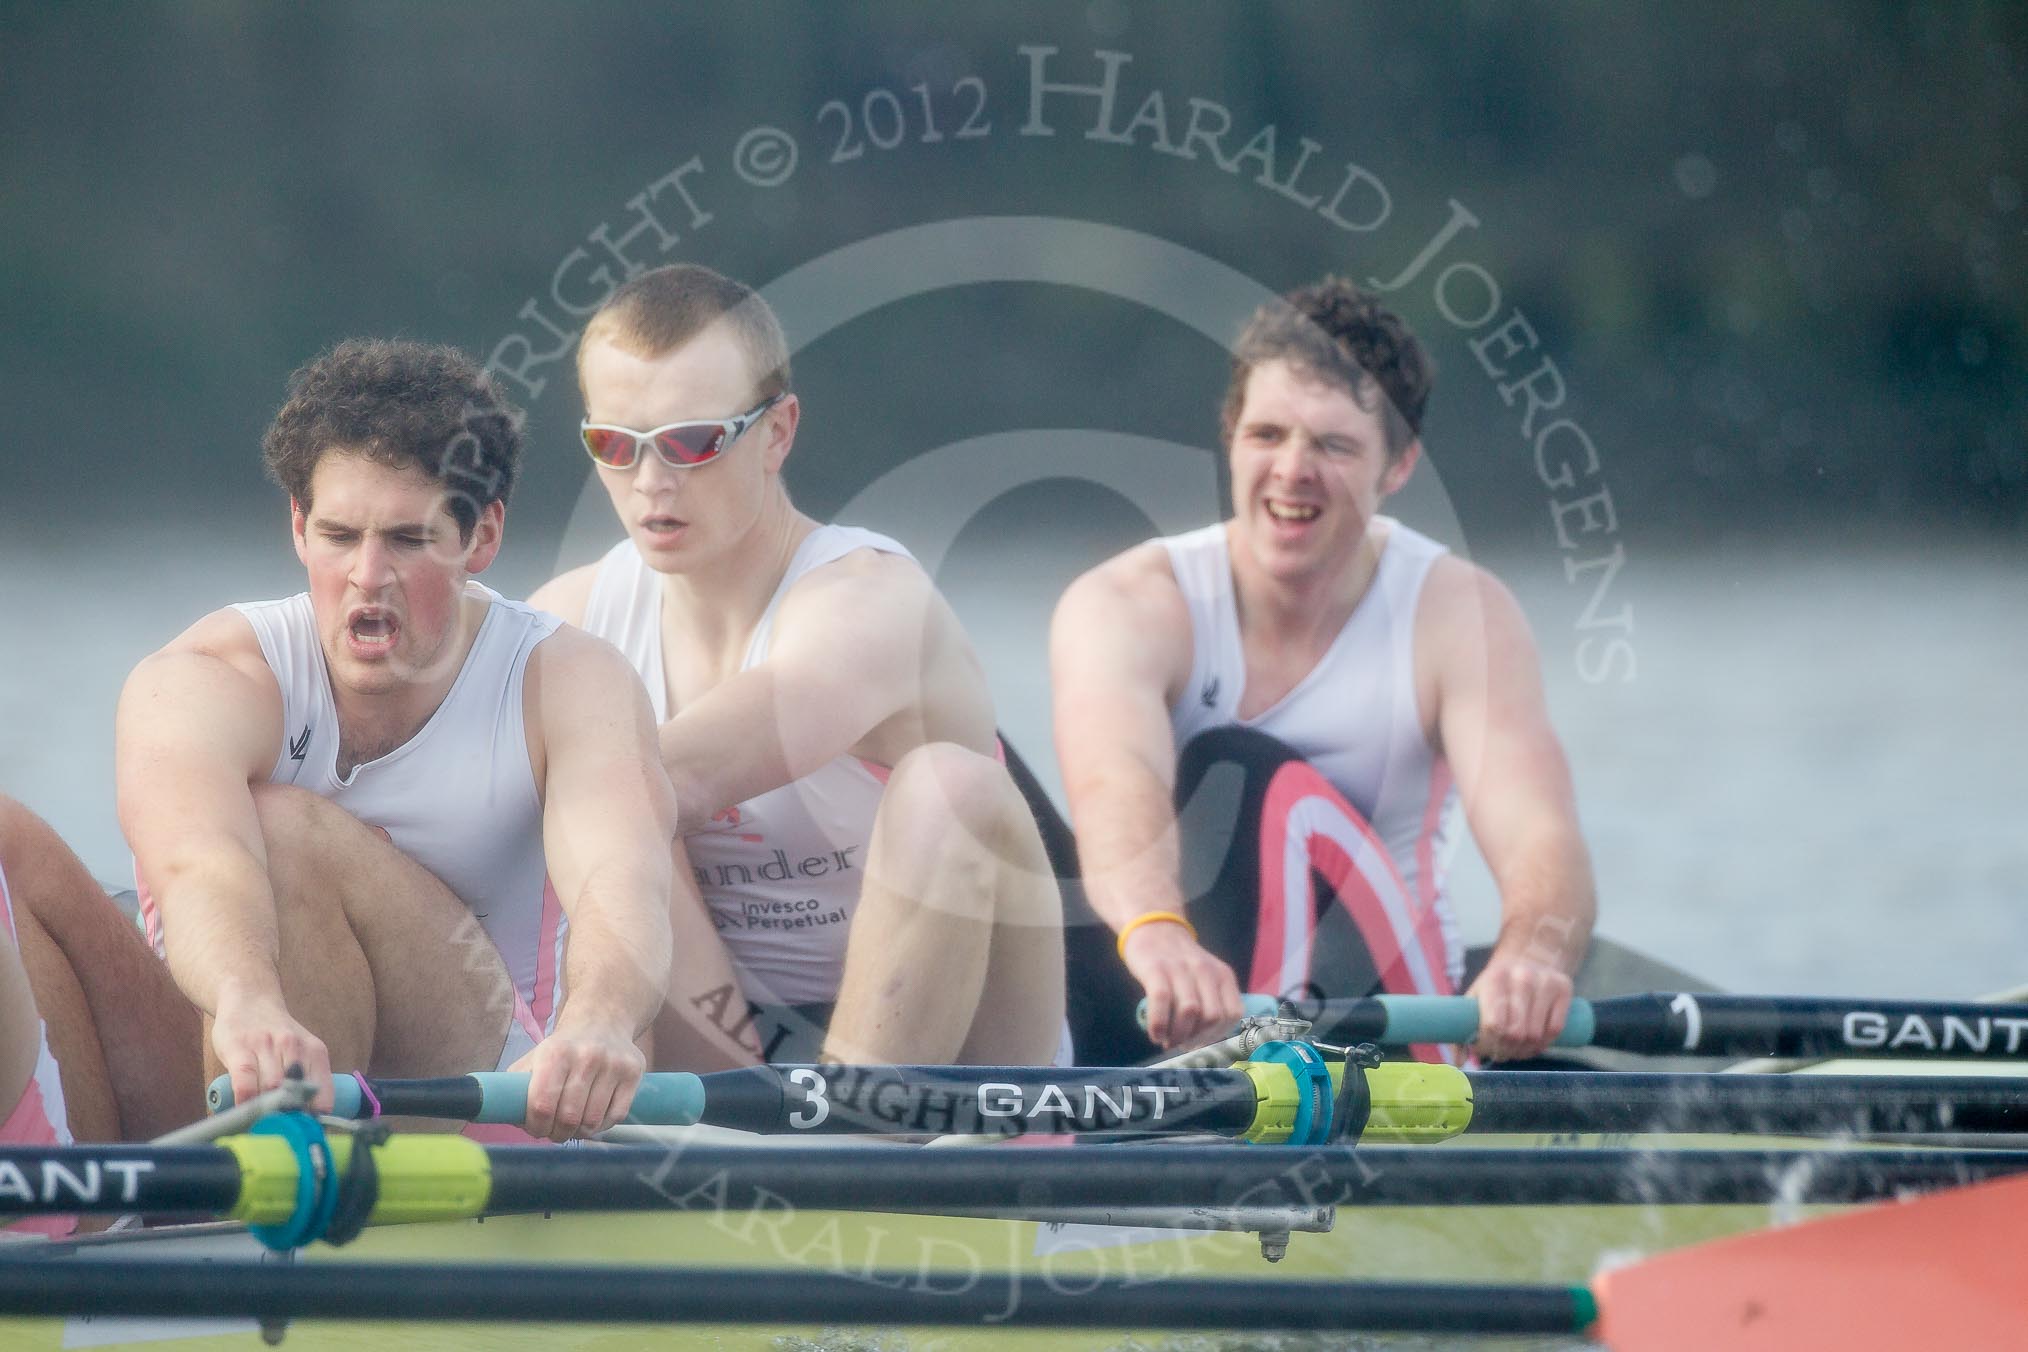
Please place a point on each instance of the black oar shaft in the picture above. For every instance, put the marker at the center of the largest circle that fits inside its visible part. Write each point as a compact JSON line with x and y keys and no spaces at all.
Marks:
{"x":741,"y":1178}
{"x":1689,"y":1024}
{"x":107,"y":1180}
{"x":1527,"y":1101}
{"x":827,"y":1100}
{"x":972,"y":1100}
{"x":1803,"y":1026}
{"x":660,"y":1295}
{"x":205,"y":1180}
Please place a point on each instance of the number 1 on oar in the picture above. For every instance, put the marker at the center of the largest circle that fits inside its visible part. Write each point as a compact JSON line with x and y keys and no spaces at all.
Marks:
{"x":1686,"y":1024}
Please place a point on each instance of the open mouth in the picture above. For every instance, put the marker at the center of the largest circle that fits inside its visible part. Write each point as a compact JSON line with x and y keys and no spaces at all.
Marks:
{"x":370,"y":631}
{"x":662,"y":525}
{"x":1291,"y":511}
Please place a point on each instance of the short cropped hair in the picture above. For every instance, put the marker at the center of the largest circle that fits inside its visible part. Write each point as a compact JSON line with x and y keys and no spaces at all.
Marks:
{"x":661,"y":310}
{"x":1332,"y":330}
{"x":402,"y":404}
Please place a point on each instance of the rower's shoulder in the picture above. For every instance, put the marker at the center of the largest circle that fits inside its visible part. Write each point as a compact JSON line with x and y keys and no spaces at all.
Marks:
{"x":1137,"y":584}
{"x":225,"y":639}
{"x":211,"y":686}
{"x":574,"y":654}
{"x":871,"y":588}
{"x":1122,"y":626}
{"x":1466,"y":613}
{"x":567,"y":595}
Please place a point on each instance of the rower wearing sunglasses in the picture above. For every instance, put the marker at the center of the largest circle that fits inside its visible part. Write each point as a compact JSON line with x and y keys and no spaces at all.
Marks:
{"x":871,"y":877}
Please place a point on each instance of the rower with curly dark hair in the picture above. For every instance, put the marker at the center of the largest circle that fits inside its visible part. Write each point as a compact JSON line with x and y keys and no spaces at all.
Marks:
{"x":1309,"y":687}
{"x":398,"y":823}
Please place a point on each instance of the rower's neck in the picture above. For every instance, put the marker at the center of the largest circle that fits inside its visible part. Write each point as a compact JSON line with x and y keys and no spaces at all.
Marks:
{"x":1308,"y":611}
{"x":725,"y":597}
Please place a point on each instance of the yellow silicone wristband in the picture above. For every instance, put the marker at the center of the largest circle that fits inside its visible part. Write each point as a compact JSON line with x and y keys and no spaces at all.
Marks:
{"x":1140,"y":920}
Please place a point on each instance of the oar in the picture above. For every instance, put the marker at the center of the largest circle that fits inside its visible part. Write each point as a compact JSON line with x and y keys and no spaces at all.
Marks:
{"x":1685,"y":1024}
{"x":1940,"y":1271}
{"x":1278,"y":1097}
{"x":260,"y":1179}
{"x":1932,"y":1272}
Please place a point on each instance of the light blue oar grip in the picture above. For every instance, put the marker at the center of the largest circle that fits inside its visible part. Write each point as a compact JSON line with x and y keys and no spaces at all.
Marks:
{"x":664,"y":1099}
{"x":1455,"y":1018}
{"x":346,"y":1101}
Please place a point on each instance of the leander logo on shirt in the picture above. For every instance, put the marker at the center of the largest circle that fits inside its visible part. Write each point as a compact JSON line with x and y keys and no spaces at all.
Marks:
{"x":1209,"y":694}
{"x":728,"y":821}
{"x":299,"y":745}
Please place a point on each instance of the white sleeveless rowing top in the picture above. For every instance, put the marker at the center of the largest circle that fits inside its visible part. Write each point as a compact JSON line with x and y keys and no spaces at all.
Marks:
{"x":1354,"y":717}
{"x":38,"y":1117}
{"x":781,"y":871}
{"x":459,"y":797}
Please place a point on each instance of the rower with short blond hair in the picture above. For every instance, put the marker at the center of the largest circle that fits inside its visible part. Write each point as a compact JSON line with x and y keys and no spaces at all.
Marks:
{"x":873,"y":875}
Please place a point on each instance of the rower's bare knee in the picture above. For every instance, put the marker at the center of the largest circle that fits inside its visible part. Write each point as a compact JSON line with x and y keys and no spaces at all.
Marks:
{"x":961,"y":811}
{"x":301,"y":830}
{"x":306,"y":836}
{"x":25,"y":839}
{"x":14,"y":820}
{"x":942,"y":788}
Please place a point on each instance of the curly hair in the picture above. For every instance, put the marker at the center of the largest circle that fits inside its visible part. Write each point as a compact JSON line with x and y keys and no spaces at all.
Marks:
{"x":402,"y":404}
{"x":1333,"y":330}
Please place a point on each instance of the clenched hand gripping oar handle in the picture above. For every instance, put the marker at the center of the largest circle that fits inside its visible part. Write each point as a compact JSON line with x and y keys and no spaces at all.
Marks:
{"x":1285,"y":1093}
{"x":1402,"y":1020}
{"x":673,"y":1098}
{"x":1682,"y":1023}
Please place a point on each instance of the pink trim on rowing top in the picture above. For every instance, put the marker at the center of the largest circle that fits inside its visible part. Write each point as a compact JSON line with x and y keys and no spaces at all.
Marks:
{"x":543,"y":1004}
{"x":1425,"y":842}
{"x":1287,"y":925}
{"x":29,"y":1124}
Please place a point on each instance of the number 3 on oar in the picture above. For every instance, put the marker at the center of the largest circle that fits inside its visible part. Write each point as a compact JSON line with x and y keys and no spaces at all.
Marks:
{"x":819,"y":1107}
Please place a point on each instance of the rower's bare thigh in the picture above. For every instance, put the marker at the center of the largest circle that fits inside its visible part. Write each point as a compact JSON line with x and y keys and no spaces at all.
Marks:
{"x":114,"y":1015}
{"x":442,"y":997}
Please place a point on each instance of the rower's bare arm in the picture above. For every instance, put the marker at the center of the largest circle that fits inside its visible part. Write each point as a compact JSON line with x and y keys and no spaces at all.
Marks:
{"x":865,"y":658}
{"x":198,"y":724}
{"x":1119,"y":650}
{"x":1119,"y":646}
{"x":607,"y":819}
{"x":1492,"y":724}
{"x":567,"y":594}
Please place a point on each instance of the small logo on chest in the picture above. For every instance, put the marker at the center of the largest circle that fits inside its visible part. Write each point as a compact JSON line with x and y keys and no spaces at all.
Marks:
{"x":728,"y":821}
{"x":299,"y":745}
{"x":1208,"y":696}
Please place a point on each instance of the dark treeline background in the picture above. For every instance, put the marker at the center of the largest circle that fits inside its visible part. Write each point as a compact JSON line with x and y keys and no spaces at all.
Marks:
{"x":1777,"y":251}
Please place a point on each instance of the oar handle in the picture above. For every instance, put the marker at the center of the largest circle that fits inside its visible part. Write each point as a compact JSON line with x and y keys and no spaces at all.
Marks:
{"x":347,"y":1100}
{"x":1402,"y":1020}
{"x":663,"y":1098}
{"x":668,"y":1099}
{"x":1455,"y":1018}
